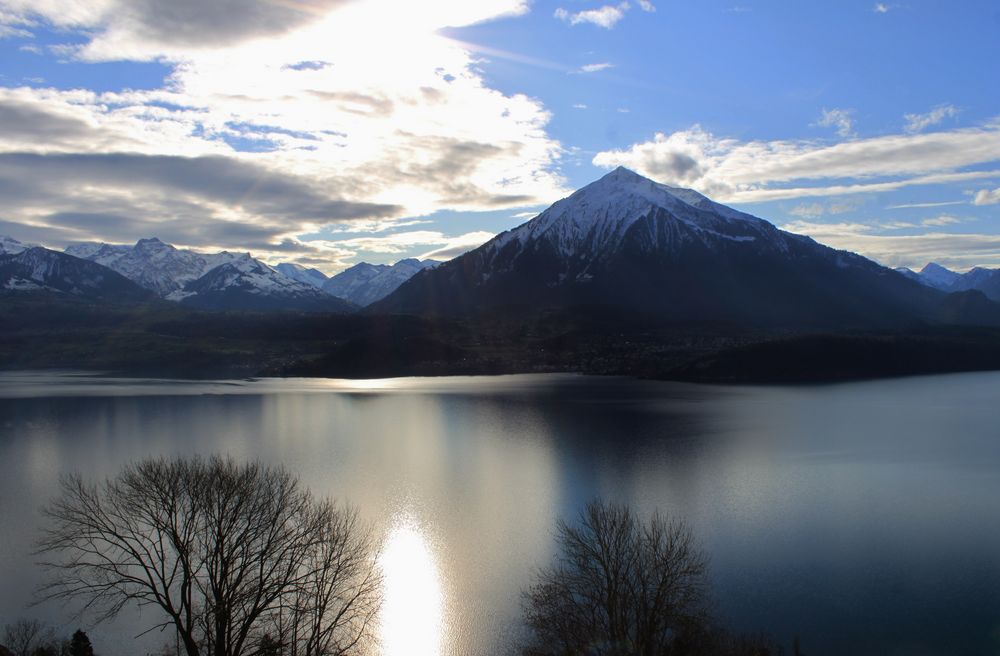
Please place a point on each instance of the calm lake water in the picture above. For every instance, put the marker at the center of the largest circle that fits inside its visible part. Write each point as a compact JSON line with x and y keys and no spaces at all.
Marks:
{"x":864,"y":518}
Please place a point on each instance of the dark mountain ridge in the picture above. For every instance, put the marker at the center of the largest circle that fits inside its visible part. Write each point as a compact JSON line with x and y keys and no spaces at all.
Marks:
{"x":627,"y":243}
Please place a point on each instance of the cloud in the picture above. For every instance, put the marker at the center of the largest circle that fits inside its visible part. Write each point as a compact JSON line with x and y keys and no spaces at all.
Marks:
{"x":838,"y":118}
{"x":646,"y":5}
{"x":606,"y":16}
{"x":456,"y":246}
{"x":987,"y":197}
{"x":935,"y":204}
{"x":881,"y":8}
{"x":404,"y":242}
{"x":815,"y":210}
{"x":579,"y":106}
{"x":755,"y":171}
{"x":209,"y":202}
{"x":299,"y":120}
{"x":13,"y":32}
{"x":943,"y":220}
{"x":955,"y":251}
{"x":178,"y":23}
{"x":146,"y":29}
{"x":593,"y":68}
{"x":920,"y":122}
{"x":808,"y":211}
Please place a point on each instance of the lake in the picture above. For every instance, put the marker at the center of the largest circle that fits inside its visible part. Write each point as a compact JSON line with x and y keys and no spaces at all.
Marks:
{"x":863,"y":518}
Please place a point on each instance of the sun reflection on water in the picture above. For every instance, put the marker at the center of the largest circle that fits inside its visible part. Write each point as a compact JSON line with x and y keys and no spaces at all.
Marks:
{"x":412,"y":615}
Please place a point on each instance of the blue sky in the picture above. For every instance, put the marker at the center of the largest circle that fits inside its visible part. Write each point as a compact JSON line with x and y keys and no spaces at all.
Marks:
{"x":329,"y":131}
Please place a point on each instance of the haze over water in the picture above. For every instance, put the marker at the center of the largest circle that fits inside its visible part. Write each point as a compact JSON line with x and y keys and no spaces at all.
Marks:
{"x":861,"y":517}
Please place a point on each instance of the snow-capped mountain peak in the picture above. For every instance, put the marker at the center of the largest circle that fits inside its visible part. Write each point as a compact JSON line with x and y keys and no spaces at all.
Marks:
{"x":365,"y":283}
{"x":308,"y":275}
{"x":595,"y":219}
{"x":936,"y":275}
{"x":11,"y":246}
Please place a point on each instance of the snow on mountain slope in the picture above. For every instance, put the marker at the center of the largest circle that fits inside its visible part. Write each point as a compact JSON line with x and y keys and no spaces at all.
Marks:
{"x":365,"y":283}
{"x":245,"y":283}
{"x":37,"y":268}
{"x":151,"y":263}
{"x":938,"y":277}
{"x":11,"y":246}
{"x":592,"y":222}
{"x":308,"y":275}
{"x":627,"y":243}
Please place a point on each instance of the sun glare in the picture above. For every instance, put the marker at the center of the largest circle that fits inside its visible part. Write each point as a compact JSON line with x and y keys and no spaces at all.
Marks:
{"x":412,"y":621}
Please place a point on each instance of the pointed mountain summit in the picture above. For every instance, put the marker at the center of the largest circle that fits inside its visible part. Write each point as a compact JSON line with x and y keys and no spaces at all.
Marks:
{"x":935,"y":275}
{"x":626,"y":243}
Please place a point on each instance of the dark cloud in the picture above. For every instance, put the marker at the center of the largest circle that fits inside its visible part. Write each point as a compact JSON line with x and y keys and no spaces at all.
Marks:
{"x":124,"y":197}
{"x":238,"y":184}
{"x":27,"y":122}
{"x":448,"y":173}
{"x":215,"y":22}
{"x":676,"y":168}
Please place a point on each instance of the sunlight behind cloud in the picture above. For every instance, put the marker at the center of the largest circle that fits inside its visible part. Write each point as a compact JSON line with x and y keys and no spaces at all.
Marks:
{"x":403,"y":122}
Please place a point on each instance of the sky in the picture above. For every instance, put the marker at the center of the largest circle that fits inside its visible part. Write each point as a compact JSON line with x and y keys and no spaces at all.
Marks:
{"x":329,"y":132}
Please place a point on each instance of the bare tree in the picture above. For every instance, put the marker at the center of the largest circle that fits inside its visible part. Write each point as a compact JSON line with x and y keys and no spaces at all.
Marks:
{"x":219,"y":547}
{"x":25,"y":637}
{"x":620,"y":586}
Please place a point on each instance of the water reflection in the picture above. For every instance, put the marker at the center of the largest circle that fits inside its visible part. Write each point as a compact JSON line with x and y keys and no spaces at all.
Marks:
{"x":850,"y":515}
{"x":412,"y":616}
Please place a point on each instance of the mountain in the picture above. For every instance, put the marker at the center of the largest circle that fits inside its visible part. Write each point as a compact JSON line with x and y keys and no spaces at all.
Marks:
{"x":310,"y":276}
{"x":248,"y":284}
{"x":980,"y":279}
{"x":40,"y":269}
{"x":217,"y":281}
{"x":152,"y":263}
{"x":364,"y":283}
{"x":938,"y":277}
{"x":11,"y":246}
{"x":628,"y":244}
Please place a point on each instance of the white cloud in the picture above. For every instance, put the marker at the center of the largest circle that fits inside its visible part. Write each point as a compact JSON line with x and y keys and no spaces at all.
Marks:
{"x":920,"y":122}
{"x":955,"y":251}
{"x":808,"y":211}
{"x":838,"y":118}
{"x":987,"y":197}
{"x":13,"y":32}
{"x":594,"y":68}
{"x":646,"y":5}
{"x":579,"y":106}
{"x":881,"y":8}
{"x":915,"y":205}
{"x":404,"y":135}
{"x":943,"y":220}
{"x":814,"y":210}
{"x":753,"y":171}
{"x":606,"y":16}
{"x":455,"y":246}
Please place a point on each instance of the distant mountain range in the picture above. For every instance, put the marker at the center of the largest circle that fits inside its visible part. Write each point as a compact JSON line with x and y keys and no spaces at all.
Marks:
{"x":628,"y":244}
{"x":216,"y":281}
{"x":364,"y":284}
{"x":980,"y":279}
{"x":625,"y":276}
